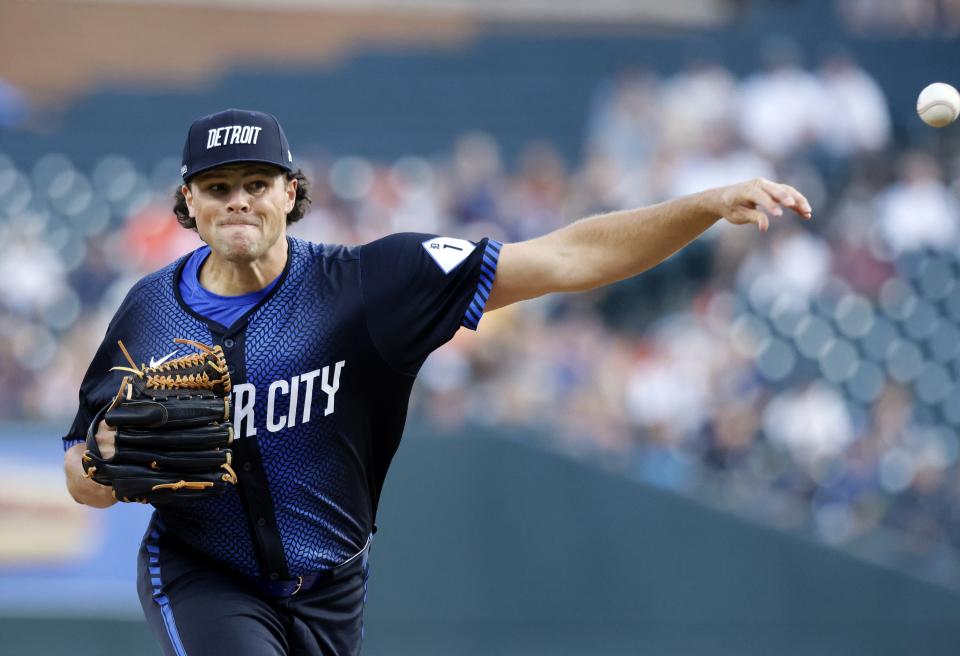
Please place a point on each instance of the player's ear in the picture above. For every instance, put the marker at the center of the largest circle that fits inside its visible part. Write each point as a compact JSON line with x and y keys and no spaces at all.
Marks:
{"x":188,"y":198}
{"x":291,"y":195}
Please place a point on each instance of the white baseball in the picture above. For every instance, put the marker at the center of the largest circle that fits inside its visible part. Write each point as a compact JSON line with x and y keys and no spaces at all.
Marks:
{"x":938,"y":104}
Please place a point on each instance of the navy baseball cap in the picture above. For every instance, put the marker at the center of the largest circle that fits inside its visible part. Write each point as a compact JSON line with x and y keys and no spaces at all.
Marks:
{"x":234,"y":135}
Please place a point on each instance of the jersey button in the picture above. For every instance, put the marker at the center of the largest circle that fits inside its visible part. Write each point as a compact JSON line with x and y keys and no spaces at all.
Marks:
{"x":274,"y":576}
{"x":247,"y":466}
{"x":228,"y":342}
{"x":261,"y":521}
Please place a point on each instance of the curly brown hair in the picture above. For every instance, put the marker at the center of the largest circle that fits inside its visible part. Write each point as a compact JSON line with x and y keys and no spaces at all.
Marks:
{"x":300,"y":206}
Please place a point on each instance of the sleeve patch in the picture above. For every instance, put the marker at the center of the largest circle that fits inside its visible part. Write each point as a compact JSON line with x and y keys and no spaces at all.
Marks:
{"x":447,"y":252}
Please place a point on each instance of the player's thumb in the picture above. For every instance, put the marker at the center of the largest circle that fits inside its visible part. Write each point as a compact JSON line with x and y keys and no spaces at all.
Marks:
{"x":742,"y":215}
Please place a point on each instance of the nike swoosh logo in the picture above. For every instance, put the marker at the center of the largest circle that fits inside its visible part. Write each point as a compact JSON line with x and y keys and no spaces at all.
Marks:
{"x":157,"y":363}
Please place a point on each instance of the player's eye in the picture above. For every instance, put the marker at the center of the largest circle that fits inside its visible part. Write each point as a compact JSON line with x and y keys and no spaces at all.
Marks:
{"x":217,"y":188}
{"x":257,"y":185}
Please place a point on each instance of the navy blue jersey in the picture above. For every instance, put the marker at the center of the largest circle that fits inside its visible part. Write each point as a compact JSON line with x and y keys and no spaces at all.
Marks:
{"x":322,"y":369}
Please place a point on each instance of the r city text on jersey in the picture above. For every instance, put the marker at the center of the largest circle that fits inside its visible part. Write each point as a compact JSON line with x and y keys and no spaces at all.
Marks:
{"x":284,"y":412}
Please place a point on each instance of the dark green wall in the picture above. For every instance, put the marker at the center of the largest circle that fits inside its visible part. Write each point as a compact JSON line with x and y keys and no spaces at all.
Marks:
{"x":487,"y":546}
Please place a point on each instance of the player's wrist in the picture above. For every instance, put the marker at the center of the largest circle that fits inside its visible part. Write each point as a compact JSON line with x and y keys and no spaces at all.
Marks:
{"x":707,"y":204}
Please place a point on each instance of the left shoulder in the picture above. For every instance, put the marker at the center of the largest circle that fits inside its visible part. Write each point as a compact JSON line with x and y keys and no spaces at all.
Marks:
{"x":312,"y":250}
{"x":420,"y":249}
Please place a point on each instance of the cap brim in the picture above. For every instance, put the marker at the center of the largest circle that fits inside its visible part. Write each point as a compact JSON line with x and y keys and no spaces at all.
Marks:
{"x":243,"y":160}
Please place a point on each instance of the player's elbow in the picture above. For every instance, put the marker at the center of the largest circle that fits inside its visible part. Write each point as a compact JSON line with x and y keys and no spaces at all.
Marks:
{"x":543,"y":266}
{"x":578,"y":275}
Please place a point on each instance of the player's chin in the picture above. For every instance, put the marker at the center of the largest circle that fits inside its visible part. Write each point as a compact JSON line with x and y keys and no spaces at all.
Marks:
{"x":243,"y":245}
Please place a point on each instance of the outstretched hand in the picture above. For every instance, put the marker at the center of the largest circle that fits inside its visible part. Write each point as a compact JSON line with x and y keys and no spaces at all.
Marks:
{"x":755,"y":201}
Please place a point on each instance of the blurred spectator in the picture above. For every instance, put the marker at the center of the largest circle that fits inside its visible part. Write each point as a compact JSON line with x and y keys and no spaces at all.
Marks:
{"x":860,"y":256}
{"x":873,"y":18}
{"x":477,"y":184}
{"x":795,"y":263}
{"x":625,"y":119}
{"x":950,"y":20}
{"x":152,"y":238}
{"x":537,"y":196}
{"x":918,"y":211}
{"x":417,"y":207}
{"x":31,"y":275}
{"x":854,"y":116}
{"x":779,"y":106}
{"x":695,"y":101}
{"x":812,"y":424}
{"x":718,"y":160}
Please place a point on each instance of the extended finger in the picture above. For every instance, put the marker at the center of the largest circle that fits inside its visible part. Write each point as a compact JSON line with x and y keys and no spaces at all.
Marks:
{"x":760,"y":197}
{"x":802,"y":207}
{"x":788,"y":196}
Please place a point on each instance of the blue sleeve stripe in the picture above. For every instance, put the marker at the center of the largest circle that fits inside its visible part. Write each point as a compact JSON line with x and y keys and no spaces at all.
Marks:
{"x":72,"y":441}
{"x":483,"y":293}
{"x":472,"y":314}
{"x":488,"y":272}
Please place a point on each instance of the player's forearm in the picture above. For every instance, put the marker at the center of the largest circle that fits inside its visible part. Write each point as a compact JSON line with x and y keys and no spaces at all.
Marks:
{"x":603,"y":249}
{"x":84,"y":490}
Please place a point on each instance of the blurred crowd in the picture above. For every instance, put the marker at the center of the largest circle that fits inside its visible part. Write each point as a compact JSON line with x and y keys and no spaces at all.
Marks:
{"x":807,"y":376}
{"x":884,"y":18}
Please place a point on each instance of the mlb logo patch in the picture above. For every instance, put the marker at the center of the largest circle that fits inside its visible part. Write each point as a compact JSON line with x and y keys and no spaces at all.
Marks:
{"x":447,"y":252}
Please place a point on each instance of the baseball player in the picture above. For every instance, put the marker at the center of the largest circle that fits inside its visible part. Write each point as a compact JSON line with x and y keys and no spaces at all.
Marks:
{"x":323,"y":343}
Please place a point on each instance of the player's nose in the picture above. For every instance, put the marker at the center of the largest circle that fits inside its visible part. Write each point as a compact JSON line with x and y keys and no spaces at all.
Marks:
{"x":239,"y":201}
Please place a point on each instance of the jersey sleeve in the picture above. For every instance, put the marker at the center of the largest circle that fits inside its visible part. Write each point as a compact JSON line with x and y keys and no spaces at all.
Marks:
{"x":418,"y":289}
{"x":99,"y":384}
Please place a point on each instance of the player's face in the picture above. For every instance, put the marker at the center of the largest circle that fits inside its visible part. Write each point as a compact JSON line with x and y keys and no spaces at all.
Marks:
{"x":241,"y":209}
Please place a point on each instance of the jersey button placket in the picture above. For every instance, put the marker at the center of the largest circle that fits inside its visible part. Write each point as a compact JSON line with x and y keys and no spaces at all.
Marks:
{"x":229,"y":343}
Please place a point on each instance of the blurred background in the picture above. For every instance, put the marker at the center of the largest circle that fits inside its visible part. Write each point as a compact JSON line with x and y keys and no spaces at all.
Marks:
{"x":752,"y":448}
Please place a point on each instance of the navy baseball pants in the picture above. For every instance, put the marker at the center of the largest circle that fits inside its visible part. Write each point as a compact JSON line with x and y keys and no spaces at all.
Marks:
{"x":196,"y":608}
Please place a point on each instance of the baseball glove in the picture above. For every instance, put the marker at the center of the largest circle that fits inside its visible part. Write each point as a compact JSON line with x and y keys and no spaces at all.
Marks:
{"x":173,"y":430}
